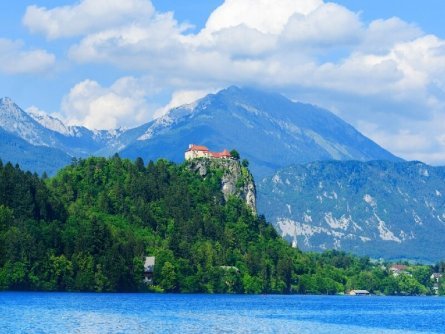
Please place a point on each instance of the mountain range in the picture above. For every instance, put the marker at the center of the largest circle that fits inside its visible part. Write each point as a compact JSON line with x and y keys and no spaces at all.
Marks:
{"x":268,"y":129}
{"x":394,"y":210}
{"x":41,"y":143}
{"x":319,"y":180}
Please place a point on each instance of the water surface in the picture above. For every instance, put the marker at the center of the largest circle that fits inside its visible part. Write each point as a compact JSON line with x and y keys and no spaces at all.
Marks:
{"x":156,"y":313}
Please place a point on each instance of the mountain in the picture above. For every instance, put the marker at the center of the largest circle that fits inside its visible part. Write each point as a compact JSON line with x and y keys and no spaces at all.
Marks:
{"x":38,"y":159}
{"x":379,"y":208}
{"x":268,"y":129}
{"x":77,"y":140}
{"x":39,"y":142}
{"x":19,"y":123}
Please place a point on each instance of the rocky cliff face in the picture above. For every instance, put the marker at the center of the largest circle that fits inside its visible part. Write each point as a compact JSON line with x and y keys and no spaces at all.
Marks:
{"x":236,"y":180}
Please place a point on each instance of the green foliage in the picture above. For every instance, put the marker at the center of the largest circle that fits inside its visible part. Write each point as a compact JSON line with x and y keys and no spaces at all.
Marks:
{"x":235,"y":155}
{"x":408,"y":285}
{"x":89,"y":228}
{"x":441,"y":287}
{"x":6,"y":215}
{"x":422,"y":274}
{"x":168,"y":282}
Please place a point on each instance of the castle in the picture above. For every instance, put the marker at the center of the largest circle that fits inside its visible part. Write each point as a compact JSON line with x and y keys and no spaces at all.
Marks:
{"x":196,"y":151}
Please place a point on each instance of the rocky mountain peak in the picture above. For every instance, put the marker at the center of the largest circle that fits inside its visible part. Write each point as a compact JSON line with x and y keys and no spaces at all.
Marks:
{"x":6,"y":101}
{"x":9,"y":108}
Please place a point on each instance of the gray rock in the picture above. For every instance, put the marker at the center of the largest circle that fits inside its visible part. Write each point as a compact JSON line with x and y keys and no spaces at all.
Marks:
{"x":235,"y":181}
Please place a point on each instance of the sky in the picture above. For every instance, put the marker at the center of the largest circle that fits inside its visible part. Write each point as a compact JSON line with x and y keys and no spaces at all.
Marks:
{"x":377,"y":64}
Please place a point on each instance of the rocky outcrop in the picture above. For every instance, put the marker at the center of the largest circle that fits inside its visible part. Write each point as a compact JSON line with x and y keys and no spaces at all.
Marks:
{"x":236,"y":180}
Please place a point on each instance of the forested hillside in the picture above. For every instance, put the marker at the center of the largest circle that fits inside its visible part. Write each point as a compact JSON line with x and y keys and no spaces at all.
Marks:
{"x":90,"y":227}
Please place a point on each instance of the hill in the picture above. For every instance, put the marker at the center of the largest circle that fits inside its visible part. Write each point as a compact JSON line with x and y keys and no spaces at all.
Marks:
{"x":90,"y":227}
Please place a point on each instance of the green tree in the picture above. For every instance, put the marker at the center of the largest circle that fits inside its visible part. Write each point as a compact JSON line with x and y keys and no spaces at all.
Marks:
{"x":252,"y":284}
{"x":168,"y":280}
{"x":6,"y":216}
{"x":139,"y":164}
{"x":100,"y":280}
{"x":84,"y":279}
{"x":408,"y":285}
{"x":234,"y":154}
{"x":422,"y":274}
{"x":441,"y":290}
{"x":61,"y":273}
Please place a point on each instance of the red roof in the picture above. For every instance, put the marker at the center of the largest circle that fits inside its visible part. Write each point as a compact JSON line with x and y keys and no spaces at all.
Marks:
{"x":399,"y":267}
{"x":223,"y":154}
{"x":193,"y":147}
{"x":199,"y":148}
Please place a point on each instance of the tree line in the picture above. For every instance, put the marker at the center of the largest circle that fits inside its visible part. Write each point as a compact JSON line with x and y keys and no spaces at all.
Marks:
{"x":90,"y":227}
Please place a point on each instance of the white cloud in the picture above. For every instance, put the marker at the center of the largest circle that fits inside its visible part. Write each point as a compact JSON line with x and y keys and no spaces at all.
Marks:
{"x":409,"y":141}
{"x":328,"y":25}
{"x":382,"y":35}
{"x":156,"y":43}
{"x":239,"y":41}
{"x":317,"y":51}
{"x":268,"y":17}
{"x":85,"y":17}
{"x":15,"y":60}
{"x":405,"y":141}
{"x":183,"y":97}
{"x":96,"y":107}
{"x":422,"y":61}
{"x":374,"y":75}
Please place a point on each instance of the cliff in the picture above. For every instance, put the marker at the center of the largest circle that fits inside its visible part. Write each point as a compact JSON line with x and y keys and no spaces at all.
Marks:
{"x":236,"y":179}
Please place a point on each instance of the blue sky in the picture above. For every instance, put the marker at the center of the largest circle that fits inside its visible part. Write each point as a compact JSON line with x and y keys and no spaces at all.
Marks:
{"x":380,"y":65}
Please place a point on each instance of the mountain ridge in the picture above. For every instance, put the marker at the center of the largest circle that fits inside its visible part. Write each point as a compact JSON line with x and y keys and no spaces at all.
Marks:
{"x":268,"y":129}
{"x":382,"y":209}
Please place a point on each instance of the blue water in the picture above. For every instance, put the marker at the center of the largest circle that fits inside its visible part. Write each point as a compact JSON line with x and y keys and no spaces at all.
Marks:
{"x":153,"y":313}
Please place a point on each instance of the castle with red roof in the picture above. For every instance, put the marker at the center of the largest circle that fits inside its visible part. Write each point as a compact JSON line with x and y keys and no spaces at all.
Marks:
{"x":197,"y":151}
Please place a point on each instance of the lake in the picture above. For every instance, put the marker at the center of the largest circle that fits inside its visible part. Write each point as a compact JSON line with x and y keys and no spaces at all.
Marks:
{"x":158,"y":313}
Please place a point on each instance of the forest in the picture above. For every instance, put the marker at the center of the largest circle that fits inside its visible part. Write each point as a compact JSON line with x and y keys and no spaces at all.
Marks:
{"x":90,"y":227}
